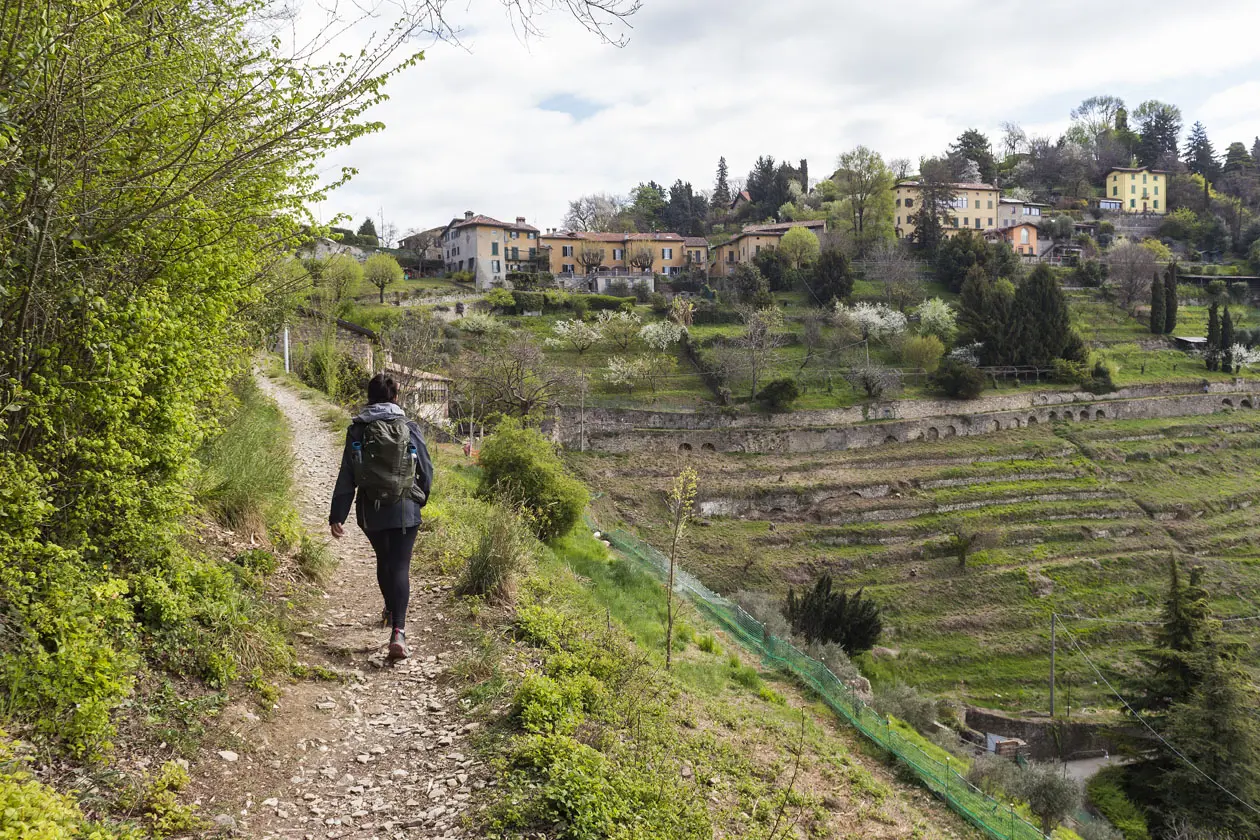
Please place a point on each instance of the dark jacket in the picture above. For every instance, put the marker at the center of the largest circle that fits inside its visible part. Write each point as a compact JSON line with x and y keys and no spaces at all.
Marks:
{"x":404,"y":514}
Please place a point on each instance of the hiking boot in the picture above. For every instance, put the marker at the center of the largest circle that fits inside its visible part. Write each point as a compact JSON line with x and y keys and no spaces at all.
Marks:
{"x":397,"y":646}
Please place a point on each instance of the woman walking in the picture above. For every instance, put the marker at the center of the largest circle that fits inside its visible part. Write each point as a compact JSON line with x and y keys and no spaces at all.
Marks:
{"x":386,"y":472}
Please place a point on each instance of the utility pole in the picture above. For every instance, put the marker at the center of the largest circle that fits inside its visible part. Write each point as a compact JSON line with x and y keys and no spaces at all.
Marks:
{"x":286,"y":348}
{"x":1053,"y":639}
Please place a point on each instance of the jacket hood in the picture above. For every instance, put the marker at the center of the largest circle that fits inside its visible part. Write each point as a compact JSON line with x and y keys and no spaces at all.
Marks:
{"x":378,"y":411}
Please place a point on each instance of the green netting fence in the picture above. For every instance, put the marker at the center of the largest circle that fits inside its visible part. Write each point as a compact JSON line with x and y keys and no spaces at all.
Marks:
{"x":994,"y":818}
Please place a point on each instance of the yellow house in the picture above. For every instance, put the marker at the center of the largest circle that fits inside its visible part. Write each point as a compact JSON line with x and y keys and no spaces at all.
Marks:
{"x":620,"y":254}
{"x":975,"y":206}
{"x":488,"y":248}
{"x":752,"y":240}
{"x":1138,"y":189}
{"x":697,"y":250}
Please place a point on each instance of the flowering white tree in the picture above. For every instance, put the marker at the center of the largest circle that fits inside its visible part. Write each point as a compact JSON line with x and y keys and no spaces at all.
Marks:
{"x":875,"y":321}
{"x":578,"y":334}
{"x":621,"y":372}
{"x":968,"y":354}
{"x":619,"y":328}
{"x":937,"y":318}
{"x":661,"y":335}
{"x":1245,"y":357}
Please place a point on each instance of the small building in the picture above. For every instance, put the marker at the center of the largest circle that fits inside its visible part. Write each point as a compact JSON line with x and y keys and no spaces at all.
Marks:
{"x":1139,"y":189}
{"x":424,"y":395}
{"x":1022,"y":238}
{"x":1190,"y":343}
{"x":697,"y":250}
{"x":748,"y":243}
{"x":1013,"y":211}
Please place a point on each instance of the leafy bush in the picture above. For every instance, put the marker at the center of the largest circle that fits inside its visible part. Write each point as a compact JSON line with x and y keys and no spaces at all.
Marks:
{"x":906,"y":703}
{"x":1106,"y":791}
{"x":1098,"y":830}
{"x":709,"y":644}
{"x":500,"y":553}
{"x":523,"y":302}
{"x":610,"y":303}
{"x":959,"y":380}
{"x":763,"y":607}
{"x":874,"y":382}
{"x":520,"y":467}
{"x":850,"y":620}
{"x":995,"y":775}
{"x":937,"y":318}
{"x":779,"y":394}
{"x":335,"y":372}
{"x":923,"y":351}
{"x":1050,"y":796}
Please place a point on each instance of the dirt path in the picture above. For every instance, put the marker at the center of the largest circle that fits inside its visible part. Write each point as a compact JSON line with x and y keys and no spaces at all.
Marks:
{"x":380,"y":754}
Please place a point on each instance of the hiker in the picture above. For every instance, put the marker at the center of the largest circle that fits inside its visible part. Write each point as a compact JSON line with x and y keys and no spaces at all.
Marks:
{"x":386,"y":461}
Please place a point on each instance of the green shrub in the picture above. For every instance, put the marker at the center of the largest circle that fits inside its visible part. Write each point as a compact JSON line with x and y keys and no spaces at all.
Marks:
{"x":336,"y":373}
{"x":1098,"y":830}
{"x":1106,"y":791}
{"x":906,"y":703}
{"x":598,"y":303}
{"x":779,"y":394}
{"x":709,"y":644}
{"x":959,"y":379}
{"x":923,"y":351}
{"x":314,"y":558}
{"x":528,"y":302}
{"x":521,"y":467}
{"x":851,"y":620}
{"x":501,"y":552}
{"x":995,"y":775}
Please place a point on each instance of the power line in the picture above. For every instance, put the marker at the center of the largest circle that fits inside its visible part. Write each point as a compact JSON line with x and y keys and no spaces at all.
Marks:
{"x":1149,"y":623}
{"x":1162,"y":740}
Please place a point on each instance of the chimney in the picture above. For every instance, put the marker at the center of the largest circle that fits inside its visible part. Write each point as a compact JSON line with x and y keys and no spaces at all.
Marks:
{"x":467,"y":214}
{"x":520,"y":220}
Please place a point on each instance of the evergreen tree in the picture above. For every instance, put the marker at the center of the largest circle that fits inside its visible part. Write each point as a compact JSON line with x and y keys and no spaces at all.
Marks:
{"x":368,"y":228}
{"x":1170,"y":299}
{"x":1041,"y":318}
{"x":821,"y":615}
{"x":1214,"y":337}
{"x":1200,"y":154}
{"x":761,"y":184}
{"x":832,"y":279}
{"x":936,"y":194}
{"x":986,"y":314}
{"x":1255,"y":151}
{"x":1237,"y":158}
{"x":721,"y":199}
{"x":1227,"y":342}
{"x":1158,"y":302}
{"x":972,"y":145}
{"x":1160,"y":127}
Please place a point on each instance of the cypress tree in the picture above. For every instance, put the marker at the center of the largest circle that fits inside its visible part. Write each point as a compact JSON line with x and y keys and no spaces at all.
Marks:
{"x":1170,"y":299}
{"x":1158,"y":315}
{"x":1214,"y":337}
{"x":1227,"y":342}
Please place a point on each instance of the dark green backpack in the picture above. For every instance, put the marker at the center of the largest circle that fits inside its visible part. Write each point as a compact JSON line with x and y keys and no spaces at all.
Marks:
{"x":384,"y":464}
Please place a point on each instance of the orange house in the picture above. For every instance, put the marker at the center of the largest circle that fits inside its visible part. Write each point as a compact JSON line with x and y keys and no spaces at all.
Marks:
{"x":1023,"y":238}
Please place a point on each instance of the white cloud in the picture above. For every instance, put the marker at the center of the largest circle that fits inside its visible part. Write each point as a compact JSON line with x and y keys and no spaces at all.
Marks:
{"x":799,"y":79}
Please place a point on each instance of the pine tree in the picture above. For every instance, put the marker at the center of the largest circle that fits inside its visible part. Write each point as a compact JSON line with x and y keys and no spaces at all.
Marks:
{"x":1158,"y":315}
{"x":936,"y":194}
{"x":1200,"y":154}
{"x":1255,"y":151}
{"x":1214,"y":337}
{"x":368,"y":228}
{"x":1227,"y":342}
{"x":1170,"y":299}
{"x":1237,"y":158}
{"x":722,"y":189}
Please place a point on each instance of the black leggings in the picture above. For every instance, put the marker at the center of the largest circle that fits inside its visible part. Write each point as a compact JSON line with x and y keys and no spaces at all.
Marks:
{"x":393,"y":565}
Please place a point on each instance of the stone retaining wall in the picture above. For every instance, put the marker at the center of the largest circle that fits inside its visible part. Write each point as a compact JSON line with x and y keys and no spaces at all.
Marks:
{"x":609,"y":430}
{"x":1049,"y":739}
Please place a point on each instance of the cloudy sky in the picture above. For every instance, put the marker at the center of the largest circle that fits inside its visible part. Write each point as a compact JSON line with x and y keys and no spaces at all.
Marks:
{"x":511,"y":126}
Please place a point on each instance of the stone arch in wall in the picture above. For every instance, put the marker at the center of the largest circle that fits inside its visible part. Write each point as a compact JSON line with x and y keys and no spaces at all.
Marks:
{"x":708,"y":447}
{"x":1246,"y":403}
{"x":1013,"y":424}
{"x":1054,"y":415}
{"x":1227,"y":403}
{"x":1100,"y":415}
{"x":1084,"y":415}
{"x":932,"y":434}
{"x":684,"y":447}
{"x":995,"y":426}
{"x":890,"y":439}
{"x":1032,"y":421}
{"x":950,"y":431}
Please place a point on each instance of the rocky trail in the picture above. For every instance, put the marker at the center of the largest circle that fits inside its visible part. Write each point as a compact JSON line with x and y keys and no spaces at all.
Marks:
{"x":381,"y":753}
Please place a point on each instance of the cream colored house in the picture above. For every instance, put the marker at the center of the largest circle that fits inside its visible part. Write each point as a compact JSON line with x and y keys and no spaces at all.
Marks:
{"x":489,"y":248}
{"x":1138,"y":189}
{"x":654,"y":253}
{"x":975,"y":206}
{"x":1014,"y":211}
{"x":751,"y":241}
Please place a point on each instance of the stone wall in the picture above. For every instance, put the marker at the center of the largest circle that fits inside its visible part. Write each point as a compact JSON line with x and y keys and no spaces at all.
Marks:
{"x":307,"y":332}
{"x":1050,"y":739}
{"x":611,"y":430}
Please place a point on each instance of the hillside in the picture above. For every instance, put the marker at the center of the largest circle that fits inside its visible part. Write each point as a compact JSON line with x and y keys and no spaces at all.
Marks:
{"x":1078,"y":519}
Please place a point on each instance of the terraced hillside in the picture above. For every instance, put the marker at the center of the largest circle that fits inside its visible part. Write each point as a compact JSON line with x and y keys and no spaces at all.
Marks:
{"x":1079,"y":519}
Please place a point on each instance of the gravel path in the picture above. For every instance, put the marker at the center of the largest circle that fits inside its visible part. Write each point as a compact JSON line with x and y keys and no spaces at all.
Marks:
{"x":383,"y":753}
